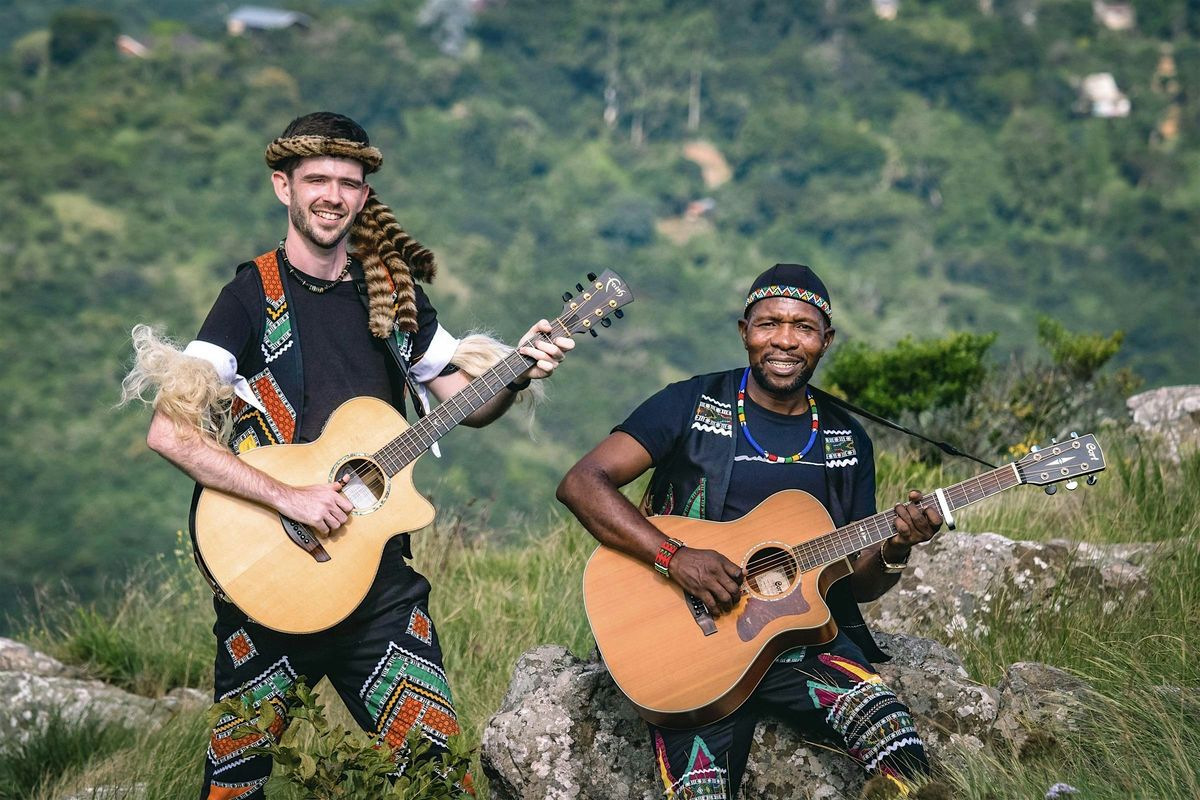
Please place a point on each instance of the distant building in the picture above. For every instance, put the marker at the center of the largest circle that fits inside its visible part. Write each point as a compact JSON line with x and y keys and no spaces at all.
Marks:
{"x":1114,"y":16}
{"x":259,"y":18}
{"x":1100,"y":92}
{"x":129,"y":46}
{"x":886,"y":9}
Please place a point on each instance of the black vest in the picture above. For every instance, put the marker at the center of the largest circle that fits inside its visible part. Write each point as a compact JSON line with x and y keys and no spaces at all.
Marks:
{"x":694,"y":480}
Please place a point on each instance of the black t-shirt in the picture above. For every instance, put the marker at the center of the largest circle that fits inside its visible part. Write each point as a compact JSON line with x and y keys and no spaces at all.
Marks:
{"x":660,"y":422}
{"x":340,"y":358}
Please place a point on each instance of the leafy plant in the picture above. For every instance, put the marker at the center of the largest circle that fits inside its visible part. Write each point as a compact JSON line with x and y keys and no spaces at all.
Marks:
{"x":914,"y":376}
{"x":334,"y":762}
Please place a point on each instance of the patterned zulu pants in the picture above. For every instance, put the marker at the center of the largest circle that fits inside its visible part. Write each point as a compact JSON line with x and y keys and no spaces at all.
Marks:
{"x":829,"y":691}
{"x":384,"y":662}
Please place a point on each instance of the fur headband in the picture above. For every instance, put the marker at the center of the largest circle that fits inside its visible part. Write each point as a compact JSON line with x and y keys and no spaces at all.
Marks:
{"x":310,"y":146}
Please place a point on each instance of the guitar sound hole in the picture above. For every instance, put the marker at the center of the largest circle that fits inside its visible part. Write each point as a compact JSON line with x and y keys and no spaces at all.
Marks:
{"x":366,"y":485}
{"x":771,"y":572}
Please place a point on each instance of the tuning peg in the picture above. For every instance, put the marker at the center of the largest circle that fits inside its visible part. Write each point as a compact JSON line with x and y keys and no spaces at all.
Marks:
{"x":1074,"y":435}
{"x":606,"y":322}
{"x":579,"y":287}
{"x":1091,"y":480}
{"x":1051,"y":489}
{"x":1053,"y":440}
{"x":1072,"y":485}
{"x":591,"y":276}
{"x":619,"y":314}
{"x":592,"y":331}
{"x":567,"y":297}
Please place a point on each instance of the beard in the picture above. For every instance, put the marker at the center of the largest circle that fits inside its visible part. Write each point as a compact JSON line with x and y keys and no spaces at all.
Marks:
{"x":772,"y":387}
{"x":302,"y":222}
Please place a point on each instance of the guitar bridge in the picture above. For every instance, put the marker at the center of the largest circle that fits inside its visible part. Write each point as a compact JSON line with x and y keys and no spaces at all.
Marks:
{"x":700,"y":614}
{"x":303,"y":539}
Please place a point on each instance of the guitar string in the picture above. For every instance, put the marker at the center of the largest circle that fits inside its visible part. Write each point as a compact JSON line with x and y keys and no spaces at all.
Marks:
{"x":828,"y":547}
{"x":369,"y":474}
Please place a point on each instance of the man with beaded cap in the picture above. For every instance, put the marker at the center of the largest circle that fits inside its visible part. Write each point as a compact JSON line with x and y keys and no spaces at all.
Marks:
{"x":719,"y":445}
{"x":332,"y":313}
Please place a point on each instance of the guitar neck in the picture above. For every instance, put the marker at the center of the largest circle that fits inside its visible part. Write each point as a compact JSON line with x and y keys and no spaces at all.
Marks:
{"x":871,"y":530}
{"x":408,"y":446}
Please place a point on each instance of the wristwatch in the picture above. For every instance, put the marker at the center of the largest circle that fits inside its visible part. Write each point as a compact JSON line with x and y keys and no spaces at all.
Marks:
{"x":888,"y":566}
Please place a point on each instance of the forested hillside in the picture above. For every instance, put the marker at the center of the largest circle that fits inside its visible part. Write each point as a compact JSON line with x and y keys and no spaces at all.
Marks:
{"x":939,"y":169}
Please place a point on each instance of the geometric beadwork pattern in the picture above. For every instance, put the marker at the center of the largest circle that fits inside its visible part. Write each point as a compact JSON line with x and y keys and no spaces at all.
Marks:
{"x":240,"y":648}
{"x":277,"y":333}
{"x":702,"y":780}
{"x":406,"y":691}
{"x":420,"y":626}
{"x":226,"y":747}
{"x":234,"y":791}
{"x":791,"y":291}
{"x":870,"y":718}
{"x":281,"y":417}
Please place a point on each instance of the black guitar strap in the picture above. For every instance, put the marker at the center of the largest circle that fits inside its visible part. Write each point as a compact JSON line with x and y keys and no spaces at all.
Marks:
{"x":945,"y":447}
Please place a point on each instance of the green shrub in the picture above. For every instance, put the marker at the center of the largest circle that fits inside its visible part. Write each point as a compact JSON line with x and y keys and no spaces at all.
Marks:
{"x":913,"y":376}
{"x":325,"y":761}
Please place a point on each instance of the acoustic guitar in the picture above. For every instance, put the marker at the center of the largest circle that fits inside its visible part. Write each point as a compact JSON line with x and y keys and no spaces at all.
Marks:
{"x":291,"y":579}
{"x":682,"y":667}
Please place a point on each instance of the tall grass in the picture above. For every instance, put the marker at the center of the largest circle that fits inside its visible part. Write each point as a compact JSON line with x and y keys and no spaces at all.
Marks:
{"x":148,"y":635}
{"x":60,"y":747}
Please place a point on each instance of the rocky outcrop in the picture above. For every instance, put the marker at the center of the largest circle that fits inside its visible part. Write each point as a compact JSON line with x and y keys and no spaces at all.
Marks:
{"x":1171,"y":413}
{"x":1037,"y":704}
{"x":565,"y":731}
{"x":36,"y":687}
{"x":955,"y":582}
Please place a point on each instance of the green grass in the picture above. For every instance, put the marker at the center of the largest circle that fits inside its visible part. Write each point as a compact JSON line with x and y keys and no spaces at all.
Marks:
{"x":61,"y":747}
{"x":491,"y":603}
{"x":152,"y":633}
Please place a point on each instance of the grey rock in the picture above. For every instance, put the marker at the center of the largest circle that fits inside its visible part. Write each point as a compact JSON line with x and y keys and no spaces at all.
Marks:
{"x":565,"y":731}
{"x":31,"y":700}
{"x":18,"y":657}
{"x":952,"y":584}
{"x":1171,"y":413}
{"x":1039,"y":704}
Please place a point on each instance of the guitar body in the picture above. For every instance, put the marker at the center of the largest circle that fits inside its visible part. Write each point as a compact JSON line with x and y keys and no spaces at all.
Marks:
{"x":247,"y":550}
{"x":653,"y":644}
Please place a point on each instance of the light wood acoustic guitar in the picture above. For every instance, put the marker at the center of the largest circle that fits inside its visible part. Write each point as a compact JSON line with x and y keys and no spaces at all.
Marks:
{"x":289,"y":578}
{"x":683,"y":667}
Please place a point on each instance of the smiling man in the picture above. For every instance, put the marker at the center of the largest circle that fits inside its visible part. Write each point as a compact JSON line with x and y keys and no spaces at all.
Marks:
{"x":720,"y":444}
{"x":334,"y":312}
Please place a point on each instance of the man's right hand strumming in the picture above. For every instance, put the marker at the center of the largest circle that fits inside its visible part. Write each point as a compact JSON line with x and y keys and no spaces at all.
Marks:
{"x":711,"y":577}
{"x":321,"y":506}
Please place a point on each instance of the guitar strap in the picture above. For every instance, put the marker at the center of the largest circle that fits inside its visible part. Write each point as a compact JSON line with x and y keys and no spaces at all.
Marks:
{"x":945,"y":447}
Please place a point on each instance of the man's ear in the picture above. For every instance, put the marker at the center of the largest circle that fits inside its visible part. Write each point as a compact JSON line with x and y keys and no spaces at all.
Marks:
{"x":742,"y":326}
{"x":283,"y":186}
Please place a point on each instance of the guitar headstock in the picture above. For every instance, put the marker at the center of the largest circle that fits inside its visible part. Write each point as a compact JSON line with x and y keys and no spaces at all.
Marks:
{"x":1062,"y":461}
{"x":597,"y":301}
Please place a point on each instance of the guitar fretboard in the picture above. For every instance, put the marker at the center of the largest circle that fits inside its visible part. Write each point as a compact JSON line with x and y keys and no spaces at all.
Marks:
{"x":408,"y":446}
{"x":865,"y":532}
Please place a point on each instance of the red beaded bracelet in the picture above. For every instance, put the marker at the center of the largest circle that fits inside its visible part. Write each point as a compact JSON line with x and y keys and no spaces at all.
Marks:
{"x":666,"y":550}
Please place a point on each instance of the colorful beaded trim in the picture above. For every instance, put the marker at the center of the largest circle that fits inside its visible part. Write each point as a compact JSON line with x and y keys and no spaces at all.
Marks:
{"x":666,"y":551}
{"x":790,"y":291}
{"x":741,"y":414}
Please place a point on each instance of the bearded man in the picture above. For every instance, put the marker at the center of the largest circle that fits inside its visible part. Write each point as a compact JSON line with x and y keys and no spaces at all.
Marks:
{"x":334,"y":312}
{"x":720,"y":444}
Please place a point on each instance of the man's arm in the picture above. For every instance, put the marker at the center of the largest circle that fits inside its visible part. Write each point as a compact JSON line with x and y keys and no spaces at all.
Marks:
{"x":590,"y":490}
{"x":548,"y":355}
{"x":321,"y":506}
{"x":913,"y":526}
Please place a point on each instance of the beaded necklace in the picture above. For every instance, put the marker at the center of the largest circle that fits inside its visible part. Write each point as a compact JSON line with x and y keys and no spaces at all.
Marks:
{"x":312,"y":287}
{"x":741,"y":412}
